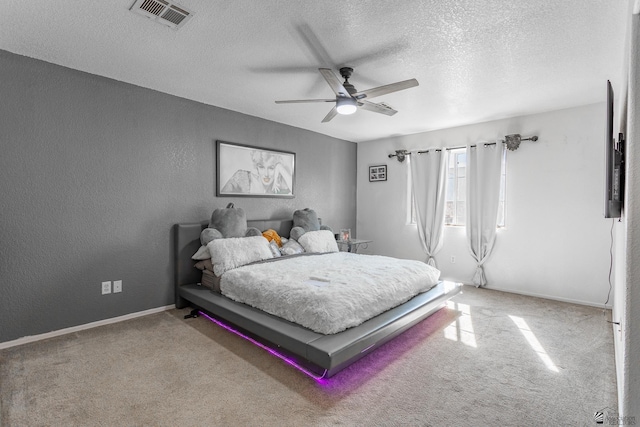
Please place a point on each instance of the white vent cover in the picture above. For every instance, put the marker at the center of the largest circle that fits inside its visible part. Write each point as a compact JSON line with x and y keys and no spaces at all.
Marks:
{"x":166,"y":13}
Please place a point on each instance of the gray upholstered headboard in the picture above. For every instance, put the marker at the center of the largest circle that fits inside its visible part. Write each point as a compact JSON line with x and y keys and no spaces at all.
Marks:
{"x":187,"y":242}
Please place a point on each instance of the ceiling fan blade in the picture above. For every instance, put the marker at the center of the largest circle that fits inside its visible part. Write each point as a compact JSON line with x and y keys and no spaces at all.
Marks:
{"x":333,"y":81}
{"x":297,"y":101}
{"x":376,"y":108}
{"x":331,"y":114}
{"x":313,"y":44}
{"x":383,"y":90}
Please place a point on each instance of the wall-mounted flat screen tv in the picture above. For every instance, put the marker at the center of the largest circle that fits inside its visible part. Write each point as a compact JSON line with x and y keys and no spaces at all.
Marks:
{"x":614,"y":164}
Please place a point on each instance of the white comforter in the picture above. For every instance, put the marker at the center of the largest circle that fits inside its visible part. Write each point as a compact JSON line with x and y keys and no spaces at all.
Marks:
{"x":329,"y":293}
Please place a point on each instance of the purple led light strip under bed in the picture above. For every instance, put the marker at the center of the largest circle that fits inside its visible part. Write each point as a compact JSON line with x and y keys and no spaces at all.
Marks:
{"x":275,"y":353}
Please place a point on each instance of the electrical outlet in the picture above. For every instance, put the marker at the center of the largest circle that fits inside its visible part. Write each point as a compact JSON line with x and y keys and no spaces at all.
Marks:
{"x":453,"y":259}
{"x":117,"y":286}
{"x":106,"y":288}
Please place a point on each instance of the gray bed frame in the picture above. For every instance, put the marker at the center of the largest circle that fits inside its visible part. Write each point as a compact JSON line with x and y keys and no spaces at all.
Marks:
{"x":323,"y":355}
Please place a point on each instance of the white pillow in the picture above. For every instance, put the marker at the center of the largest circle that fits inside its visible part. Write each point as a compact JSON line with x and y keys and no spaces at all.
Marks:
{"x":202,"y":254}
{"x":275,"y":249}
{"x":321,"y":241}
{"x":291,"y":248}
{"x":227,"y":254}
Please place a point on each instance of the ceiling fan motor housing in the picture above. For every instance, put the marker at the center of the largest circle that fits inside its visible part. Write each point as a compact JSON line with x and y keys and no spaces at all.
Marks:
{"x":346,"y":72}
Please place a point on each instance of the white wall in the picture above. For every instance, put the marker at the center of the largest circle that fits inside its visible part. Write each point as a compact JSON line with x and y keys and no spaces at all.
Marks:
{"x":556,"y":242}
{"x":627,"y":292}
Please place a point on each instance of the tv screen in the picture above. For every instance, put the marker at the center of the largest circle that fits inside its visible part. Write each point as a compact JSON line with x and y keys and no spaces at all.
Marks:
{"x":614,"y":164}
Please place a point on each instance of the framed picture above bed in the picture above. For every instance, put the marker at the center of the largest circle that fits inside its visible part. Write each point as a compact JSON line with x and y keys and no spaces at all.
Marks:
{"x":248,"y":171}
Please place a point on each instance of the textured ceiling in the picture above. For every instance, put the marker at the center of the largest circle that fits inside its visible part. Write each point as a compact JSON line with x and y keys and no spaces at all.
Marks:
{"x":475,"y":60}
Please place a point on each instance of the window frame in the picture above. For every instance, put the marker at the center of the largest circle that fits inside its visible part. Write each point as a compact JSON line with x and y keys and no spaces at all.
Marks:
{"x":453,"y":156}
{"x":411,"y":210}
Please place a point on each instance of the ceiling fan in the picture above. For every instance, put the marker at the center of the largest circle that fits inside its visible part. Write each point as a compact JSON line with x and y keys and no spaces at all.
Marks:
{"x":348,"y":99}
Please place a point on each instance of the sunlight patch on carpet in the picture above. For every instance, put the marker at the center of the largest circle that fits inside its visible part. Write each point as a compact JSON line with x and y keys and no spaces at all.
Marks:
{"x":533,"y":342}
{"x":462,"y":328}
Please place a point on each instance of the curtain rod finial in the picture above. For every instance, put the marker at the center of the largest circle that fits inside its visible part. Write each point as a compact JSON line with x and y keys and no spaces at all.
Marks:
{"x":401,"y":155}
{"x":513,"y":140}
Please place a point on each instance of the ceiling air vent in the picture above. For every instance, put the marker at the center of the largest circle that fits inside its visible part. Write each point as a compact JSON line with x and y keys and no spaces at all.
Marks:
{"x":164,"y":12}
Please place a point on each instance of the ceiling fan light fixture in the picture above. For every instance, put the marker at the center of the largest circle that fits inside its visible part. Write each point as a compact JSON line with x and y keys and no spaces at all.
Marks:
{"x":346,"y":105}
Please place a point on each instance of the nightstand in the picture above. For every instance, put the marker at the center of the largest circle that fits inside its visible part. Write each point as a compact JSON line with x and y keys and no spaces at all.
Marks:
{"x":354,"y":244}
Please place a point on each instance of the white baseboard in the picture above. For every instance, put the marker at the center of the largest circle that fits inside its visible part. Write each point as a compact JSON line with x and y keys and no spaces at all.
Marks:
{"x":569,"y":300}
{"x":618,"y":351}
{"x":34,"y":338}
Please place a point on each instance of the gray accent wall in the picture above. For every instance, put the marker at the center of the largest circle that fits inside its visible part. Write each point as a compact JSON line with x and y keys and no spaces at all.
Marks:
{"x":95,"y":172}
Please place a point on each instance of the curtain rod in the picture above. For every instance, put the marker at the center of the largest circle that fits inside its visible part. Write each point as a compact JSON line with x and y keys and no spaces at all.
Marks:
{"x":512,"y":141}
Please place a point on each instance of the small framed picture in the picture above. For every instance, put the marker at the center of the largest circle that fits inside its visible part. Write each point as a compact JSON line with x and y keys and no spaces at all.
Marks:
{"x":377,"y":173}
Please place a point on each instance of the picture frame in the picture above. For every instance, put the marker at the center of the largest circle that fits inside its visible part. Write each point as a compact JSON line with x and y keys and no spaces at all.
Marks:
{"x":377,"y":173}
{"x":251,"y":171}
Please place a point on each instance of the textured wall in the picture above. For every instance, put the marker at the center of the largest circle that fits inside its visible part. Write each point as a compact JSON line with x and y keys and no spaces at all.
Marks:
{"x":556,"y":240}
{"x":627,"y":336}
{"x":94,"y":173}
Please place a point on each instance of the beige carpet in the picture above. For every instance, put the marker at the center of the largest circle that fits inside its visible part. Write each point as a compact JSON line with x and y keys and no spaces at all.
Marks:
{"x":492,"y":359}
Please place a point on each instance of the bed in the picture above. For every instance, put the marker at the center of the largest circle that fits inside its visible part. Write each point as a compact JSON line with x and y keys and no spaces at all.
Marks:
{"x":321,"y":355}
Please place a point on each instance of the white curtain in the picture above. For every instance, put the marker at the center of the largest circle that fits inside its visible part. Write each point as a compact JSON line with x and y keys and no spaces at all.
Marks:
{"x":484,"y":163}
{"x":428,"y":174}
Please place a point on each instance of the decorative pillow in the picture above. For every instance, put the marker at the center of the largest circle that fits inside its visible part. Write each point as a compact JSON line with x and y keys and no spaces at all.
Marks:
{"x":204,"y":265}
{"x":305,"y":220}
{"x":203,"y":253}
{"x":320,"y":241}
{"x":230,"y":221}
{"x":275,"y":250}
{"x":291,"y":248}
{"x":227,"y":254}
{"x":227,"y":222}
{"x":272,"y":235}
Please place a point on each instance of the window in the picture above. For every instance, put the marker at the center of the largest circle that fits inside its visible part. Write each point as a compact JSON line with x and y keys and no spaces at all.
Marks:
{"x":411,"y":206}
{"x":456,"y":190}
{"x":502,"y":201}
